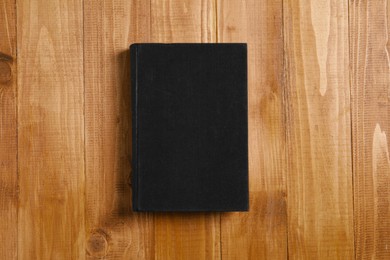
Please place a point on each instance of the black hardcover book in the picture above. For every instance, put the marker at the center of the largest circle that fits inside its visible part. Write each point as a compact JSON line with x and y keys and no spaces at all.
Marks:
{"x":190,"y":127}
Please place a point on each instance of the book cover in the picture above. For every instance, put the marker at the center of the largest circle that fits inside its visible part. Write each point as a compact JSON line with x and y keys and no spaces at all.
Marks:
{"x":190,"y":127}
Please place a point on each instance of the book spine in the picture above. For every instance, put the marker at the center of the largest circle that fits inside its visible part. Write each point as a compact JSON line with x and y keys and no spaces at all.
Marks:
{"x":134,"y":111}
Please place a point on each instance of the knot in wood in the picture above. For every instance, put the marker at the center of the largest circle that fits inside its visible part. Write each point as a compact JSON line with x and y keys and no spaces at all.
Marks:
{"x":5,"y":71}
{"x":97,"y":244}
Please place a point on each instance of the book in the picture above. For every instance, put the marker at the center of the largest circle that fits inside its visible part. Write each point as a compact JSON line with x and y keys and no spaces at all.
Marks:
{"x":189,"y":127}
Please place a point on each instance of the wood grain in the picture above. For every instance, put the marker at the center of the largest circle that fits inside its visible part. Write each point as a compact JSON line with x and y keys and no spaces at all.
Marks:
{"x":320,"y":223}
{"x":8,"y":131}
{"x":370,"y":80}
{"x":262,"y":232}
{"x":113,"y":230}
{"x":183,"y":21}
{"x":319,"y":114}
{"x":51,"y":130}
{"x":185,"y":236}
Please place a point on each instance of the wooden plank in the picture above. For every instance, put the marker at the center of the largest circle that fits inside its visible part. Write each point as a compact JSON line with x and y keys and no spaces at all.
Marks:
{"x":261,"y":233}
{"x":51,"y":135}
{"x":8,"y":131}
{"x":370,"y":79}
{"x":183,"y":21}
{"x":319,"y":181}
{"x":113,"y":231}
{"x":185,"y":236}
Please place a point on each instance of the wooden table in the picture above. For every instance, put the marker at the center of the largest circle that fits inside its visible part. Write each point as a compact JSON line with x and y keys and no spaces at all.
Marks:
{"x":319,"y":116}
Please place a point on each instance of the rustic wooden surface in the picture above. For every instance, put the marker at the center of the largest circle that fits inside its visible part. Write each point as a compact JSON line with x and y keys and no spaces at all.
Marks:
{"x":318,"y":123}
{"x":319,"y":116}
{"x":50,"y":94}
{"x":261,"y":233}
{"x":370,"y":101}
{"x":8,"y":132}
{"x":112,"y":230}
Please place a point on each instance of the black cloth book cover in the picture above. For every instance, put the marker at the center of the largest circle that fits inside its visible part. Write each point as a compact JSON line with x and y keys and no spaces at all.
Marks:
{"x":190,"y":127}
